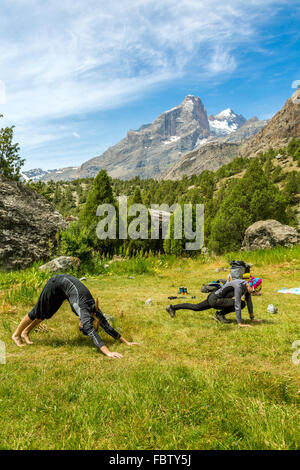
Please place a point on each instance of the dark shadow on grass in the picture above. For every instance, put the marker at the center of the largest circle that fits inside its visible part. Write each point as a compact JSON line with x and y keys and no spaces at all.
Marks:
{"x":76,"y":341}
{"x":265,"y":322}
{"x":233,"y":321}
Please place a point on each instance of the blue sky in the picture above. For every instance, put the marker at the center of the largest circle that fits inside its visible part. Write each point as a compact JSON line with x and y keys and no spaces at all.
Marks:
{"x":75,"y":76}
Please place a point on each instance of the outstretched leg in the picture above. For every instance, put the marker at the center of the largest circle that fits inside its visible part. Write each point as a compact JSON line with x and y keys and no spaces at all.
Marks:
{"x":196,"y":307}
{"x":171,"y":309}
{"x":16,"y":337}
{"x":28,"y":329}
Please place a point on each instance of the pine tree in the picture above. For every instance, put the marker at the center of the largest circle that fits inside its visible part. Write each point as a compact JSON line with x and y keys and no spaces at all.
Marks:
{"x":101,"y":193}
{"x":57,"y":196}
{"x":10,"y":161}
{"x":137,"y":197}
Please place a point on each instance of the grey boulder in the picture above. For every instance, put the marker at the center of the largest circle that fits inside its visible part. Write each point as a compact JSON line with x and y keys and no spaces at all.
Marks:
{"x":63,"y":263}
{"x":28,"y":225}
{"x":268,"y":234}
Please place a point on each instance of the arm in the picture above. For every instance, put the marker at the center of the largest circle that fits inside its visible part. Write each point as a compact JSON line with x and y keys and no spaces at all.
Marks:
{"x":248,"y":299}
{"x":249,"y":305}
{"x":128,"y":343}
{"x":238,"y":311}
{"x":111,"y":331}
{"x":87,"y":323}
{"x":237,"y":303}
{"x":107,"y":327}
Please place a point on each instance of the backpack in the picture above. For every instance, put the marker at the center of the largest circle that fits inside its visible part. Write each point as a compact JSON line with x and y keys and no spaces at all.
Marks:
{"x":239,"y":268}
{"x":212,"y":286}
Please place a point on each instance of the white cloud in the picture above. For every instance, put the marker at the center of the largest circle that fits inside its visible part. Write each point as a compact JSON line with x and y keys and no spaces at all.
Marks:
{"x":75,"y":134}
{"x":2,"y":93}
{"x":59,"y":59}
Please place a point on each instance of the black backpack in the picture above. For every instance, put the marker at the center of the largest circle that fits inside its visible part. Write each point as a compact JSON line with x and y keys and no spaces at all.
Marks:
{"x":238,"y":268}
{"x":213,"y":286}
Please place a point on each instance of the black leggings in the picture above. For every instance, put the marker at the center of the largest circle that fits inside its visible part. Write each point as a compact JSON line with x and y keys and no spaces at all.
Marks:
{"x":225,"y":304}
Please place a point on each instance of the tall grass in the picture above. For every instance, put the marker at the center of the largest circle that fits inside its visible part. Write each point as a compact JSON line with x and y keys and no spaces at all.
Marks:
{"x":23,"y":286}
{"x":276,"y":255}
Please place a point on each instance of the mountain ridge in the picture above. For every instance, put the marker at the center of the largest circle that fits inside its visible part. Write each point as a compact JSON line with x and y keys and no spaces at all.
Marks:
{"x":153,"y":148}
{"x":276,"y":133}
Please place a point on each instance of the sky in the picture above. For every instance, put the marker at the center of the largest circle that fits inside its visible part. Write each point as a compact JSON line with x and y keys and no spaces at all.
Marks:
{"x":75,"y":76}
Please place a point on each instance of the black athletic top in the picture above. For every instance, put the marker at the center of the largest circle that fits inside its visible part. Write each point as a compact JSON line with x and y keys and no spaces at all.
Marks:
{"x":66,"y":287}
{"x":236,"y":288}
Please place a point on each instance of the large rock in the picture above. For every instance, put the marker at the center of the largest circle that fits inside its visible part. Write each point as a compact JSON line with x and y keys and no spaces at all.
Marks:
{"x":27,"y":223}
{"x":269,"y":233}
{"x":63,"y":263}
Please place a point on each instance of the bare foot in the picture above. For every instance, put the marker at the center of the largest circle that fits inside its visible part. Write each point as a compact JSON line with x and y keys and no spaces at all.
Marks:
{"x":26,"y":338}
{"x":17,"y":340}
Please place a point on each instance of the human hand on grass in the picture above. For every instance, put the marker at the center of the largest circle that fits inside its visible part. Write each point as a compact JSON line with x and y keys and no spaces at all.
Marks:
{"x":128,"y":343}
{"x":108,"y":353}
{"x":114,"y":354}
{"x":245,"y":325}
{"x":256,"y":320}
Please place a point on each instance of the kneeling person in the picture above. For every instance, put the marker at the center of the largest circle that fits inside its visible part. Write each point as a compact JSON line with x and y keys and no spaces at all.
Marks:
{"x":223,"y":300}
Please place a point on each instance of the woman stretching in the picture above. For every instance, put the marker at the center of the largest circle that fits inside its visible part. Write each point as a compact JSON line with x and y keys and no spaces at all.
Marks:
{"x":66,"y":287}
{"x":223,"y":300}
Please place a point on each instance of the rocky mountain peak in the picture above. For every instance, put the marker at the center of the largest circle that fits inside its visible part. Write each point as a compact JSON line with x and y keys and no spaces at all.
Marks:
{"x":177,"y":120}
{"x":148,"y":151}
{"x":225,"y":122}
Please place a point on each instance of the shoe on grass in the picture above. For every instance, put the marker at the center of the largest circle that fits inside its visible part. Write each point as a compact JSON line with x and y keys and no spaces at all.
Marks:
{"x":220,"y":318}
{"x":171,"y":311}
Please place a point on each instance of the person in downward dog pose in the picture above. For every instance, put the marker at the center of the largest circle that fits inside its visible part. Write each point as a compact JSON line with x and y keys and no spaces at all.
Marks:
{"x":66,"y":287}
{"x":227,"y":299}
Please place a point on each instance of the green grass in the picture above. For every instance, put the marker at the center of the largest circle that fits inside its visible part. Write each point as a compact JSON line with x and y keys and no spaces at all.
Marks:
{"x":276,"y":255}
{"x":191,"y":384}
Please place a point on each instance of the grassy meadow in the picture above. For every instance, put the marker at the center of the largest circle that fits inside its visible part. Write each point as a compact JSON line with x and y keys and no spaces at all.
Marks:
{"x":191,"y":384}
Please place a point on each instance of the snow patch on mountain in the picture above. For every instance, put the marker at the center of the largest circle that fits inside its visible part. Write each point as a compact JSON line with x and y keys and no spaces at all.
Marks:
{"x":37,"y":174}
{"x":188,"y":105}
{"x":225,"y":122}
{"x":172,"y":139}
{"x":222,"y":127}
{"x":201,"y":142}
{"x":34,"y":175}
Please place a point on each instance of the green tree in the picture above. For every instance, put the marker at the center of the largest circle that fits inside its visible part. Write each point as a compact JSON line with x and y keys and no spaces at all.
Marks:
{"x":137,"y":197}
{"x":57,"y":196}
{"x":254,"y":197}
{"x":69,"y":197}
{"x":76,"y":241}
{"x":292,"y":187}
{"x":10,"y":161}
{"x":101,"y":193}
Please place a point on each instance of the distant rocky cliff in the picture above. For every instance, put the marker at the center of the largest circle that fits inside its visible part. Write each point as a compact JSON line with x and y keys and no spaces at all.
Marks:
{"x":214,"y":152}
{"x":27,"y":223}
{"x":148,"y":151}
{"x":208,"y":157}
{"x":278,"y":132}
{"x":250,"y":139}
{"x":153,"y":149}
